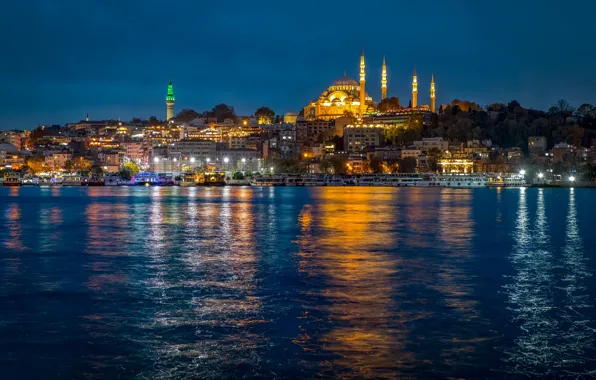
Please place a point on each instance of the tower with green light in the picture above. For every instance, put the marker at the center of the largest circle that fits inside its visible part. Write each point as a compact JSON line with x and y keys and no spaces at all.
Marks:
{"x":170,"y":102}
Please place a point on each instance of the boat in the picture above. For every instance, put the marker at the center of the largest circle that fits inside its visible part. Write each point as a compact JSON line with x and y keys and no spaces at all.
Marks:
{"x":334,"y":180}
{"x":211,"y":179}
{"x":111,"y":180}
{"x":12,"y":179}
{"x":268,"y":180}
{"x":165,"y":180}
{"x":146,"y":179}
{"x":45,"y":182}
{"x":188,"y":180}
{"x":311,"y":180}
{"x":30,"y":181}
{"x":393,"y":180}
{"x":293,"y":180}
{"x":454,"y":180}
{"x":72,"y":180}
{"x":95,"y":181}
{"x":507,"y":180}
{"x":56,"y":181}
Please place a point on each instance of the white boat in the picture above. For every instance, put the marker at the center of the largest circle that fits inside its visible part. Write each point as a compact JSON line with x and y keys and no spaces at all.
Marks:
{"x":334,"y":180}
{"x":454,"y":180}
{"x":30,"y":181}
{"x":45,"y":182}
{"x":111,"y":180}
{"x":268,"y":180}
{"x":293,"y":180}
{"x":314,"y":180}
{"x":394,"y":180}
{"x":507,"y":180}
{"x":72,"y":180}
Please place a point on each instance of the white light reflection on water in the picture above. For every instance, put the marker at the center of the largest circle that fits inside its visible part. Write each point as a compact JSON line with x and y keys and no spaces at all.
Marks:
{"x":553,"y":337}
{"x":207,"y":311}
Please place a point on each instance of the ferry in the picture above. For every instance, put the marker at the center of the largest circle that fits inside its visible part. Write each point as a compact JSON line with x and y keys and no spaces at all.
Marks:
{"x":334,"y":180}
{"x":294,"y":180}
{"x":394,"y":180}
{"x":188,"y":181}
{"x":454,"y":180}
{"x":314,"y":180}
{"x":72,"y":180}
{"x":111,"y":180}
{"x":507,"y":180}
{"x":11,"y":179}
{"x":146,"y":179}
{"x":268,"y":180}
{"x":212,"y":179}
{"x":56,"y":181}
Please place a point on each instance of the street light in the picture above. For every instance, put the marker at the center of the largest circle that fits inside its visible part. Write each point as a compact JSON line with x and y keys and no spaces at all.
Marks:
{"x":226,"y":160}
{"x":243,"y":160}
{"x":571,"y":179}
{"x":540,"y":175}
{"x":208,"y":160}
{"x":192,"y":159}
{"x":156,"y":159}
{"x":522,"y":172}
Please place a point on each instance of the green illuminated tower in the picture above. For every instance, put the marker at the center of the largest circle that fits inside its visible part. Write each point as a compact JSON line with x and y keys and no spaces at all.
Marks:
{"x":170,"y":102}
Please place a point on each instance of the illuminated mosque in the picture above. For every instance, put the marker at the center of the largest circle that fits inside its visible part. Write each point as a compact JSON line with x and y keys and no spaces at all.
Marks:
{"x":345,"y":96}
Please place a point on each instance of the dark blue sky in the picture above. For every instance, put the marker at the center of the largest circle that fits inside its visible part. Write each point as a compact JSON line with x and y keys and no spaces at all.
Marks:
{"x":114,"y":58}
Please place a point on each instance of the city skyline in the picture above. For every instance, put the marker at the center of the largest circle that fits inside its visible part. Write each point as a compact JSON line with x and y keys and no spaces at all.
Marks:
{"x":117,"y":65}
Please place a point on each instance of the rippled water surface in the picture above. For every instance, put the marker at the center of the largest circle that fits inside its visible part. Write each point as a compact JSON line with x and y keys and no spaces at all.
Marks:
{"x":199,"y":283}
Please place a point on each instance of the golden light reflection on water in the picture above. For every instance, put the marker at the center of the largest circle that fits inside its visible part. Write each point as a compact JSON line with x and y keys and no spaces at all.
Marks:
{"x":367,"y":335}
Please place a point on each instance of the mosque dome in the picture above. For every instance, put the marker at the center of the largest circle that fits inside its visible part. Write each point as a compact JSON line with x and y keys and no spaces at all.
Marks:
{"x":345,"y":81}
{"x":9,"y":148}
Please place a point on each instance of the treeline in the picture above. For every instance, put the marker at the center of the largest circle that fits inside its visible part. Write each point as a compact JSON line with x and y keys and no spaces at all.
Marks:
{"x":507,"y":125}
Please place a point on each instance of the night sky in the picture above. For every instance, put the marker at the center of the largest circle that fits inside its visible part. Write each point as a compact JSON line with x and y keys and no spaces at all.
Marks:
{"x":114,"y":58}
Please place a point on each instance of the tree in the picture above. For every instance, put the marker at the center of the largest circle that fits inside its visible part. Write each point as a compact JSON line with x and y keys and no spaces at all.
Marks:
{"x":376,"y":164}
{"x":325,"y":165}
{"x":136,"y":120}
{"x":588,"y":172}
{"x":389,"y":105}
{"x":586,"y":111}
{"x":434,"y":155}
{"x":96,"y":169}
{"x":562,"y":106}
{"x":222,"y":112}
{"x":264,"y":115}
{"x":512,"y":104}
{"x":132,"y":167}
{"x":153,"y":121}
{"x":68,"y":165}
{"x":186,"y":116}
{"x":82,"y":164}
{"x":36,"y":164}
{"x":339,"y":164}
{"x":466,"y":105}
{"x":238,"y":176}
{"x":407,"y":165}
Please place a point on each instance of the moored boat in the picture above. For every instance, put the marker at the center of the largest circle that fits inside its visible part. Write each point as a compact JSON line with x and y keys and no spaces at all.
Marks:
{"x":72,"y":180}
{"x":11,"y":179}
{"x":111,"y":180}
{"x":507,"y":180}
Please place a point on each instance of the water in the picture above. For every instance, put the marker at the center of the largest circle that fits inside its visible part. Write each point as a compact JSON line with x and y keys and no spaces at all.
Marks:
{"x":200,"y":283}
